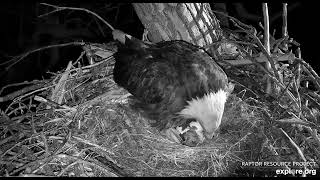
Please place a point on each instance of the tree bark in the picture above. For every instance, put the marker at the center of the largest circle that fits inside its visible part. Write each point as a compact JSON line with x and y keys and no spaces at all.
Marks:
{"x":192,"y":22}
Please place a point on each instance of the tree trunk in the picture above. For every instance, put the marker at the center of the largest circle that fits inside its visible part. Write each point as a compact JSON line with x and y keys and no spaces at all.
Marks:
{"x":192,"y":22}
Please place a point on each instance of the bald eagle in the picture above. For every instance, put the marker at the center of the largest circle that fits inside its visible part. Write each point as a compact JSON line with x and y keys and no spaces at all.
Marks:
{"x":177,"y":84}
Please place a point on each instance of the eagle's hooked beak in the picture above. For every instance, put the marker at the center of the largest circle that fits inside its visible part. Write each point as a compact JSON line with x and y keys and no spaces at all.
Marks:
{"x":209,"y":128}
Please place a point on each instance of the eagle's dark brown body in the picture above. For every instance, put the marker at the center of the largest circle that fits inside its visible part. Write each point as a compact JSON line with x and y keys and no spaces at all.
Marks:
{"x":163,"y":77}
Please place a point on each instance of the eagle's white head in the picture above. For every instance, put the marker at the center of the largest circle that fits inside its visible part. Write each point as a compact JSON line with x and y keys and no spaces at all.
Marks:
{"x":207,"y":111}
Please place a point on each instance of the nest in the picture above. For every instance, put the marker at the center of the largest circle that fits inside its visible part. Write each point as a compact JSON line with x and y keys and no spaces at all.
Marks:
{"x":96,"y":133}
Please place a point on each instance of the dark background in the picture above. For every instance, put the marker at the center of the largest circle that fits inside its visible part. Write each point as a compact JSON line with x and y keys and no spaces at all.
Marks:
{"x":21,"y":31}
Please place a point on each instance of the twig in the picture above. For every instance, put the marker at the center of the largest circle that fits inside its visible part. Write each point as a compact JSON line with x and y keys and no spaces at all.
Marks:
{"x":33,"y":175}
{"x":66,"y":168}
{"x":265,"y":52}
{"x":45,"y":142}
{"x":295,"y":146}
{"x":34,"y":88}
{"x":295,"y":86}
{"x":314,"y":135}
{"x":53,"y":104}
{"x":19,"y":84}
{"x":295,"y":120}
{"x":32,"y":117}
{"x":80,"y":57}
{"x":285,"y":23}
{"x":241,"y":24}
{"x":252,"y":33}
{"x":53,"y":154}
{"x":271,"y":76}
{"x":58,"y":92}
{"x":115,"y":168}
{"x":267,"y":43}
{"x":310,"y":97}
{"x":310,"y":69}
{"x":21,"y":57}
{"x":298,"y":52}
{"x":266,"y":27}
{"x":312,"y":78}
{"x":276,"y":43}
{"x":61,"y":8}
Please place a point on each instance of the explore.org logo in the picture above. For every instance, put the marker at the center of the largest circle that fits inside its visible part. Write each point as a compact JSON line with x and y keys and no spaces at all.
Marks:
{"x":285,"y":168}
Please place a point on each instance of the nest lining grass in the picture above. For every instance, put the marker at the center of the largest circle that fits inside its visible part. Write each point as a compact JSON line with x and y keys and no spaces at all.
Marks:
{"x":96,"y":133}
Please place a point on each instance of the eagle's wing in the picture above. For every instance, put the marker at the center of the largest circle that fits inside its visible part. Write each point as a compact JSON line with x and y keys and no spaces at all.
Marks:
{"x":149,"y":78}
{"x":154,"y":83}
{"x":156,"y":86}
{"x":198,"y":72}
{"x":204,"y":76}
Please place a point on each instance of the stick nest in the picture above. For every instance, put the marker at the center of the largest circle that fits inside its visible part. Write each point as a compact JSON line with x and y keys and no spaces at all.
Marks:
{"x":79,"y":123}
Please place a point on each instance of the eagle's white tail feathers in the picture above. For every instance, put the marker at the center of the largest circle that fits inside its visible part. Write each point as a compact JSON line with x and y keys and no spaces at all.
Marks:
{"x":207,"y":110}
